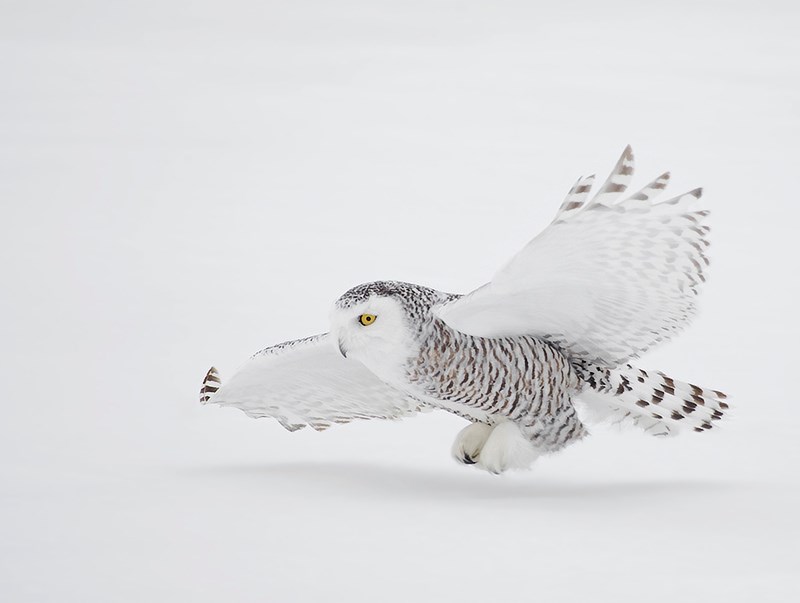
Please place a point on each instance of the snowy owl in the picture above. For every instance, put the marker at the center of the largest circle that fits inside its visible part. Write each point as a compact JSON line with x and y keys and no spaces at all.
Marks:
{"x":550,"y":335}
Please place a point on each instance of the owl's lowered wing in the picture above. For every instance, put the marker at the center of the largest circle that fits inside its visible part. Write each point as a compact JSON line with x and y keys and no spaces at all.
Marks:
{"x":606,"y":280}
{"x":307,"y":382}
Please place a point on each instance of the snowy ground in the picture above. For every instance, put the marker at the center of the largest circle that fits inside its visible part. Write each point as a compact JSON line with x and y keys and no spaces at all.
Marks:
{"x":185,"y":183}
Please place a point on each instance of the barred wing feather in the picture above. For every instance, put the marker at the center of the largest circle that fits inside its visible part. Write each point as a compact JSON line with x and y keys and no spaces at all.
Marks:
{"x":307,"y":382}
{"x":606,"y":280}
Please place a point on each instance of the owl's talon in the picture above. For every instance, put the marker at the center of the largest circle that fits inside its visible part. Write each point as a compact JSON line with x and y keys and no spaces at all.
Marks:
{"x":469,"y":442}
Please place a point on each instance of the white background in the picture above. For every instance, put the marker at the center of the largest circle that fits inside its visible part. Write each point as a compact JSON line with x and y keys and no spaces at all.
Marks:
{"x":184,"y":183}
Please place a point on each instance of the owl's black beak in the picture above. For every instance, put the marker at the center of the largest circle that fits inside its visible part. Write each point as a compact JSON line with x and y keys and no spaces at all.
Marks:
{"x":342,"y":351}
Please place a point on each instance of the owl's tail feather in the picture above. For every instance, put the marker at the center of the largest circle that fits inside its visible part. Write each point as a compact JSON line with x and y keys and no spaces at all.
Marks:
{"x":652,"y":400}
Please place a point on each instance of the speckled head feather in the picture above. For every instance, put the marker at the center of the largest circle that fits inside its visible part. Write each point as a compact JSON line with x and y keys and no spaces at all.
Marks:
{"x":416,"y":300}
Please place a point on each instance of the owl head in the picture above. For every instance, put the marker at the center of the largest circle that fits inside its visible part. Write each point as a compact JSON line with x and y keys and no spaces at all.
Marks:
{"x":380,"y":324}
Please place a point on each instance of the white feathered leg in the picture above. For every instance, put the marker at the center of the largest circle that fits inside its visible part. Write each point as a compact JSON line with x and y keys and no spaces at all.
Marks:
{"x":469,"y":442}
{"x":506,"y":448}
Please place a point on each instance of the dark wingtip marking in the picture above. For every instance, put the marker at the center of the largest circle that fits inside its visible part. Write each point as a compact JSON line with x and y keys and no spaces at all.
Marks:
{"x":699,"y":399}
{"x":211,"y":384}
{"x":676,"y":416}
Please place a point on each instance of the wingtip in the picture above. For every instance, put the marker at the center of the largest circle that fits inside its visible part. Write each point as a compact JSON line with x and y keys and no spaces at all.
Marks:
{"x":660,"y":183}
{"x":211,"y":383}
{"x":617,"y":181}
{"x":627,"y":157}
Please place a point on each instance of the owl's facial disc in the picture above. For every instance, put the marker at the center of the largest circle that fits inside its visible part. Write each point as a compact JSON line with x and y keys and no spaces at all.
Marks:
{"x":374,"y":332}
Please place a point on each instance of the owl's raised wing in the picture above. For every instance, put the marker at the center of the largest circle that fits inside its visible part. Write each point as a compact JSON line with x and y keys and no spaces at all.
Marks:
{"x":307,"y":382}
{"x":606,"y":280}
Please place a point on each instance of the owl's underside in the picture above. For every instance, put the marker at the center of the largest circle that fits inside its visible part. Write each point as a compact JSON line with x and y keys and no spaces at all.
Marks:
{"x":607,"y":280}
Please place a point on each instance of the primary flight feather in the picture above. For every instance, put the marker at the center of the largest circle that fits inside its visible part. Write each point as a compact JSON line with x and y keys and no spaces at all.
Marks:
{"x":609,"y":278}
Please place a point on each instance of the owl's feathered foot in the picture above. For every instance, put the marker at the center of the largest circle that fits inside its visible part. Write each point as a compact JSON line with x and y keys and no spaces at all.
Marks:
{"x":494,"y":448}
{"x":469,"y":442}
{"x":506,"y":448}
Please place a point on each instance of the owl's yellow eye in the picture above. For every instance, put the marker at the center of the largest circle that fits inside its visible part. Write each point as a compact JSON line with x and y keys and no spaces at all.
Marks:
{"x":367,"y":319}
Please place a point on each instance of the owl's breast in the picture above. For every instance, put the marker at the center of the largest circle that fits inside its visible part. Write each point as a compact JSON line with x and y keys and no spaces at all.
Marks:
{"x":479,"y":376}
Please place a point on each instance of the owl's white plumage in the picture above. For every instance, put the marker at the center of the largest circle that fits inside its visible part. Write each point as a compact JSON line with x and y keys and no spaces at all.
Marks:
{"x":308,"y":382}
{"x":501,"y":447}
{"x":609,"y":278}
